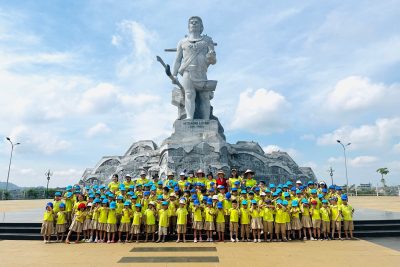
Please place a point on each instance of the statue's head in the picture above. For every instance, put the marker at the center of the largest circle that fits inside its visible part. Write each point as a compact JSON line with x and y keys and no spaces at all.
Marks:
{"x":195,"y":24}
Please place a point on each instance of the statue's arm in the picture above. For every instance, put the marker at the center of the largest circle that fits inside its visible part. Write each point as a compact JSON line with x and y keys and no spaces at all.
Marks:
{"x":178,"y":60}
{"x":211,"y":56}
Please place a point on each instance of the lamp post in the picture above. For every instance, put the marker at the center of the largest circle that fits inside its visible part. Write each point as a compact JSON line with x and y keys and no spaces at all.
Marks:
{"x":9,"y":165}
{"x":345,"y":163}
{"x":48,"y":175}
{"x":331,"y":173}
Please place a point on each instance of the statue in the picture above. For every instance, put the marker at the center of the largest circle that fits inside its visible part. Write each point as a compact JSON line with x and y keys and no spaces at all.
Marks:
{"x":194,"y":54}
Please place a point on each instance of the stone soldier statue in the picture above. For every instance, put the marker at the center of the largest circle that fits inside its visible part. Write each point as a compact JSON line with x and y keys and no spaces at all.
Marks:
{"x":194,"y":54}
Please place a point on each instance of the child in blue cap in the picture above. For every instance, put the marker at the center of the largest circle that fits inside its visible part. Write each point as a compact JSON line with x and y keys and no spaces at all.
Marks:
{"x":336,"y":218}
{"x":220,"y":221}
{"x":234,"y":214}
{"x":112,"y":222}
{"x":137,"y":221}
{"x":48,"y":223}
{"x":347,"y":213}
{"x":245,"y":221}
{"x":325,"y":219}
{"x":209,"y":220}
{"x":256,"y":221}
{"x":306,"y":218}
{"x":125,"y":225}
{"x":61,"y":222}
{"x":280,"y":220}
{"x":197,"y":218}
{"x":267,"y":214}
{"x":295,"y":219}
{"x":102,"y":221}
{"x":163,"y":222}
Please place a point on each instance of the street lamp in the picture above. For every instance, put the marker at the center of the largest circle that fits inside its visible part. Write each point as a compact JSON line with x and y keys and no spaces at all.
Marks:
{"x":331,"y":173}
{"x":9,"y":165}
{"x":48,"y":175}
{"x":345,"y":163}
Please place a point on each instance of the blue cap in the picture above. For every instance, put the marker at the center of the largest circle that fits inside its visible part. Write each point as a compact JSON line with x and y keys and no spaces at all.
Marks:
{"x":228,"y":195}
{"x":320,"y":196}
{"x":131,"y":186}
{"x":257,"y":189}
{"x":164,"y":203}
{"x":286,"y":194}
{"x":134,"y":196}
{"x":324,"y":190}
{"x":236,"y":183}
{"x":49,"y":204}
{"x":212,"y":183}
{"x":244,"y":202}
{"x":69,"y":194}
{"x":77,"y":187}
{"x":278,"y":191}
{"x":196,"y":202}
{"x":105,"y":201}
{"x":91,"y":196}
{"x":103,"y":197}
{"x":324,"y":201}
{"x":209,"y":201}
{"x":279,"y":201}
{"x":98,"y":192}
{"x":234,"y":189}
{"x":243,"y":192}
{"x":159,"y":197}
{"x":279,"y":185}
{"x":285,"y":203}
{"x":298,"y":191}
{"x":219,"y":205}
{"x":96,"y":200}
{"x":192,"y":190}
{"x":295,"y":203}
{"x":58,"y":194}
{"x":120,"y":197}
{"x":87,"y":187}
{"x":138,"y":205}
{"x":62,"y":205}
{"x":222,"y":187}
{"x":289,"y":183}
{"x":146,"y":193}
{"x":267,"y":191}
{"x":331,"y":187}
{"x":211,"y":189}
{"x":127,"y":203}
{"x":338,"y":188}
{"x":130,"y":193}
{"x":69,"y":187}
{"x":253,"y":201}
{"x":344,"y":197}
{"x":271,"y":185}
{"x":159,"y":183}
{"x":102,"y":186}
{"x":313,"y":191}
{"x":113,"y":205}
{"x":275,"y":194}
{"x":293,"y":189}
{"x":304,"y":201}
{"x":285,"y":186}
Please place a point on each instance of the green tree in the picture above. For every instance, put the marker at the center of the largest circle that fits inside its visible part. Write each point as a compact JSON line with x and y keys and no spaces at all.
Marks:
{"x":383,"y":172}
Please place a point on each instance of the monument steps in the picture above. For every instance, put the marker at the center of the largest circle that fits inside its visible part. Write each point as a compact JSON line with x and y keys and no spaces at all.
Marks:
{"x":372,"y":228}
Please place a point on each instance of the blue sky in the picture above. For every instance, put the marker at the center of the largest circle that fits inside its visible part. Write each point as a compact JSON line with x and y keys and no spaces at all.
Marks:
{"x":79,"y":80}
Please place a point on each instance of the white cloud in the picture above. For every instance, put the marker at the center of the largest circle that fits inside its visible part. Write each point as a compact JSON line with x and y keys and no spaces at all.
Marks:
{"x":262,"y":111}
{"x":99,"y":98}
{"x":396,"y":148}
{"x":307,"y":137}
{"x":380,"y":133}
{"x":138,"y":39}
{"x":362,"y":161}
{"x":99,"y":128}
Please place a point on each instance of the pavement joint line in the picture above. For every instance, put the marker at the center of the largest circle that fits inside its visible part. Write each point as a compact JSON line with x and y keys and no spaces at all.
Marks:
{"x":173,"y":249}
{"x":192,"y":259}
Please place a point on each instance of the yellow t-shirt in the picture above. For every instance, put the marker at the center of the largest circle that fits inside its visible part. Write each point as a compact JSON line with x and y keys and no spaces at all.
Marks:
{"x":244,"y":216}
{"x":227,"y":206}
{"x":163,"y":218}
{"x":335,"y":213}
{"x":267,"y":214}
{"x":172,"y":208}
{"x":325,"y":214}
{"x":208,"y":183}
{"x":68,"y":204}
{"x":120,"y":207}
{"x":209,"y":211}
{"x":316,"y":215}
{"x":142,"y":181}
{"x":150,"y":217}
{"x":96,"y":214}
{"x":80,"y":216}
{"x":280,"y":215}
{"x":137,"y":216}
{"x":103,"y":211}
{"x":233,"y":215}
{"x":113,"y":186}
{"x":61,"y":218}
{"x":295,"y":211}
{"x":127,"y":184}
{"x":181,"y":214}
{"x":347,"y":212}
{"x":48,"y":216}
{"x":112,"y":216}
{"x":220,"y":218}
{"x":255,"y":213}
{"x":305,"y":211}
{"x":197,"y":214}
{"x":181,"y":184}
{"x":126,"y":216}
{"x":56,"y":206}
{"x":251,"y":182}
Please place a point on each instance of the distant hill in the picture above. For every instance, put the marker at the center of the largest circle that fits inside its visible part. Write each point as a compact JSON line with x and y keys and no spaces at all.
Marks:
{"x":11,"y":186}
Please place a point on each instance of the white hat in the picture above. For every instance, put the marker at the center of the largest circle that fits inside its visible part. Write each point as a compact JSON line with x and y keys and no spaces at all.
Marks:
{"x":152,"y":203}
{"x":170,"y":173}
{"x":215,"y":197}
{"x":298,"y":182}
{"x":142,"y":173}
{"x":182,"y":174}
{"x":221,"y":172}
{"x":200,"y":171}
{"x":182,"y":201}
{"x":128,"y":175}
{"x":172,"y":195}
{"x":90,"y":204}
{"x":220,"y":186}
{"x":248,"y":171}
{"x":263,"y":194}
{"x":322,"y":182}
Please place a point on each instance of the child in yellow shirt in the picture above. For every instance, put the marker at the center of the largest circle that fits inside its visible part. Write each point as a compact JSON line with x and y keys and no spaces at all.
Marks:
{"x":316,"y":220}
{"x":102,"y":222}
{"x":181,"y":220}
{"x":125,"y":225}
{"x":61,"y":222}
{"x":87,"y":223}
{"x":137,"y":220}
{"x":336,"y":218}
{"x":305,"y":218}
{"x":77,"y":223}
{"x":95,"y":220}
{"x":295,"y":214}
{"x":150,"y":220}
{"x":112,"y":222}
{"x":209,"y":220}
{"x":280,"y":220}
{"x":220,"y":221}
{"x":163,"y":222}
{"x":256,"y":221}
{"x":347,"y":213}
{"x":267,"y":214}
{"x":234,"y":214}
{"x":48,"y":223}
{"x":245,"y":221}
{"x":197,"y":219}
{"x":326,"y":219}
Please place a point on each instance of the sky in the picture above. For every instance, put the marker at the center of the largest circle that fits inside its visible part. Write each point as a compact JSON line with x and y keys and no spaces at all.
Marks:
{"x":79,"y":80}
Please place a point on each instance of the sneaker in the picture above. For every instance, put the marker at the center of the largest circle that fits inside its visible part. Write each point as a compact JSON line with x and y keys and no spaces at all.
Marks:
{"x":259,"y":240}
{"x":255,"y":241}
{"x":237,"y":239}
{"x":232,"y":240}
{"x":108,"y":242}
{"x":208,"y":239}
{"x":304,"y":238}
{"x":312,"y":238}
{"x":177,"y":241}
{"x":195,"y":240}
{"x":248,"y":240}
{"x":95,"y":241}
{"x":211,"y":240}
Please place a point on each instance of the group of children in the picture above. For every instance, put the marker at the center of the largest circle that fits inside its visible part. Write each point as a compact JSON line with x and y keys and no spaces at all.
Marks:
{"x":124,"y":212}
